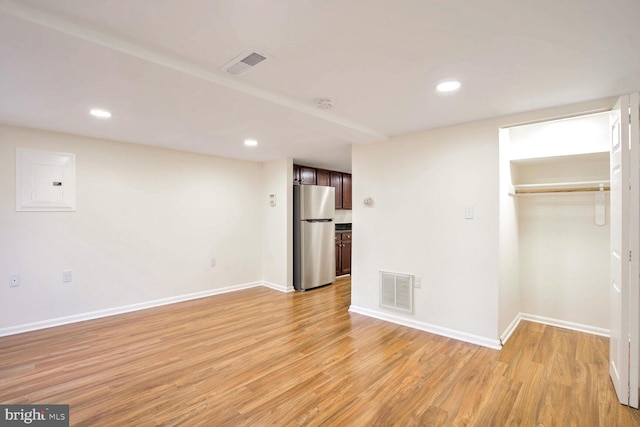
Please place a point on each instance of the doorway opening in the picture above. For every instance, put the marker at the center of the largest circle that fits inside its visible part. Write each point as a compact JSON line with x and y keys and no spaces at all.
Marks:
{"x":554,"y":223}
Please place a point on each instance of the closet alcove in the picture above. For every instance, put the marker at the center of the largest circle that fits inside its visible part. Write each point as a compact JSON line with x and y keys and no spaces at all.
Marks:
{"x":554,"y":222}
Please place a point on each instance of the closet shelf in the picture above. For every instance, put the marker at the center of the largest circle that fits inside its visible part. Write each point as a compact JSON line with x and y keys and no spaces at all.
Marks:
{"x":560,"y":187}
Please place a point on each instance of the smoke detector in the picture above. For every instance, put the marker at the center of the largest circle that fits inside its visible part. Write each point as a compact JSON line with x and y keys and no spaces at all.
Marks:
{"x":324,"y":103}
{"x":243,"y":63}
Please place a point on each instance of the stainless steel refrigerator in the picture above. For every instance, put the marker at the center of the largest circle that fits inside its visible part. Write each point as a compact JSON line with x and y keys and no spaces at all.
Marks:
{"x":314,"y":259}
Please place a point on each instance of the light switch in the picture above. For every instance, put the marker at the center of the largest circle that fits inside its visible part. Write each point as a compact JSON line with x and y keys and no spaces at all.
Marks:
{"x":468,"y":212}
{"x":14,"y":281}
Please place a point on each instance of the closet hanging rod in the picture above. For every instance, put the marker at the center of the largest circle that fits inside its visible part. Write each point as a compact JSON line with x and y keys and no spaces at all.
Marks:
{"x":561,"y":187}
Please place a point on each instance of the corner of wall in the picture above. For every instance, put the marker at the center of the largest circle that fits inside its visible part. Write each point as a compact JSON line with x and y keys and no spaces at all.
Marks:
{"x":277,"y":176}
{"x":423,"y":326}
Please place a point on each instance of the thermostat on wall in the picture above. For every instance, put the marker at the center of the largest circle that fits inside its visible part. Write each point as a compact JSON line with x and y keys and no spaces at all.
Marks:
{"x":45,"y":180}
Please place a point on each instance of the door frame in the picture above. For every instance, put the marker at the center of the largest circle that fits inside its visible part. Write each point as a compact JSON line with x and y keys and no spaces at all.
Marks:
{"x":634,"y":247}
{"x":624,"y":349}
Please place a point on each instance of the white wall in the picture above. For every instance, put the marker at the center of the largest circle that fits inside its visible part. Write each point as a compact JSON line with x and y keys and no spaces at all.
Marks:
{"x":509,"y":242}
{"x":277,"y":268}
{"x":575,"y":135}
{"x":420,"y":184}
{"x":564,"y":259}
{"x":148,"y":222}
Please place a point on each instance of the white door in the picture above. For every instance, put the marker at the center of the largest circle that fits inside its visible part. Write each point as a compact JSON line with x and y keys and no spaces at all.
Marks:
{"x":623,"y":343}
{"x":634,"y":247}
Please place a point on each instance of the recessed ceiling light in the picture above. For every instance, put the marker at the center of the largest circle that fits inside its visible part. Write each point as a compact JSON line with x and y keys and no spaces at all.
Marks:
{"x":448,"y":86}
{"x":250,"y":142}
{"x":101,"y":114}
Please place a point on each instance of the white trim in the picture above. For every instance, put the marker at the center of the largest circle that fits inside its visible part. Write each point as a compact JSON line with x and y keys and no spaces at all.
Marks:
{"x":28,"y":327}
{"x":277,"y":287}
{"x":438,"y":330}
{"x":510,"y":329}
{"x":579,"y":327}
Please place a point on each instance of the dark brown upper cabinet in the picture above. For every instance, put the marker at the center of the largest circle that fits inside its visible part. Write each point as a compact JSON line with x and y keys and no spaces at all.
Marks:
{"x":323,"y":177}
{"x":336,"y":182}
{"x":307,"y":176}
{"x":296,"y":174}
{"x":341,"y":181}
{"x":346,"y":191}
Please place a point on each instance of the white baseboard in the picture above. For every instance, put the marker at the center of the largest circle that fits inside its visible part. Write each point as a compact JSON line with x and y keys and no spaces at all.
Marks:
{"x":512,"y":327}
{"x":12,"y":330}
{"x":437,"y":330}
{"x":579,"y":327}
{"x":277,"y":287}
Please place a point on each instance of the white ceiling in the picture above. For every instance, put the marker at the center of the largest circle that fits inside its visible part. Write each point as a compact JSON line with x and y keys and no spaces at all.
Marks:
{"x":156,"y":64}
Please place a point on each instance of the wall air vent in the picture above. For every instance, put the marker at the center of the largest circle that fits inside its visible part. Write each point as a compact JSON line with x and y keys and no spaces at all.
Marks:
{"x":396,"y":291}
{"x":244,"y":62}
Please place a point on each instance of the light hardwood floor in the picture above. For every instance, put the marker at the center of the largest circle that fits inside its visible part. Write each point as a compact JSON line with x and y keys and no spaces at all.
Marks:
{"x":259,"y":357}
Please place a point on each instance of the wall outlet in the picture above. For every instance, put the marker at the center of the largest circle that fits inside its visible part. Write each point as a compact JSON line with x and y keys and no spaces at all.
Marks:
{"x":417,"y":282}
{"x":213,"y":262}
{"x":66,"y":276}
{"x":14,"y":281}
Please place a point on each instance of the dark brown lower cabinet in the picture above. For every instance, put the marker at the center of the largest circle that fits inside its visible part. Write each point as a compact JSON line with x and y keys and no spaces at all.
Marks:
{"x":343,"y":253}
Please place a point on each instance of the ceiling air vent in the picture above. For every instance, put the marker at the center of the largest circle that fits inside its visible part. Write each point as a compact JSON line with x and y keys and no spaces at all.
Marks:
{"x":244,"y":62}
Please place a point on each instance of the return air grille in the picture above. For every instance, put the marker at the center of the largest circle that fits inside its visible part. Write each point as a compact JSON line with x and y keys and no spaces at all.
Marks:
{"x":396,"y":291}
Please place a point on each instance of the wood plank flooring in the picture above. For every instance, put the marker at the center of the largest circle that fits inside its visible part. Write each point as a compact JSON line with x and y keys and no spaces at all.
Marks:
{"x":259,"y":357}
